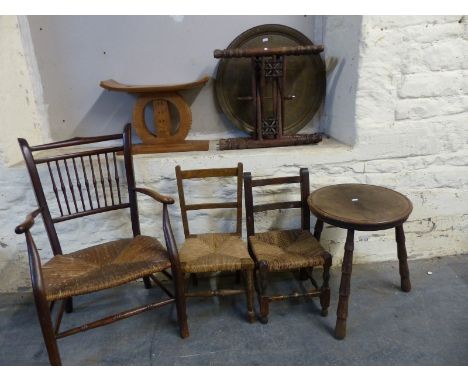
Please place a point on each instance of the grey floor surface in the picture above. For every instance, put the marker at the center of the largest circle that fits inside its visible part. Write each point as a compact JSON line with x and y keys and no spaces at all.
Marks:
{"x":428,"y":326}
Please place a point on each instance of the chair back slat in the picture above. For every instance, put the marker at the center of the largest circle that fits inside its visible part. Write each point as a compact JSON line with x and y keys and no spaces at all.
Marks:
{"x":210,"y":173}
{"x":76,"y":142}
{"x":276,"y":206}
{"x":78,"y":154}
{"x":274,"y":181}
{"x":90,"y":212}
{"x":210,"y":206}
{"x":250,"y":208}
{"x":84,"y":182}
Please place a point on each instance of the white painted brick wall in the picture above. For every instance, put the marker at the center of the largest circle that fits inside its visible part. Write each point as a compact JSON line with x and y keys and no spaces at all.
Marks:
{"x":412,"y":135}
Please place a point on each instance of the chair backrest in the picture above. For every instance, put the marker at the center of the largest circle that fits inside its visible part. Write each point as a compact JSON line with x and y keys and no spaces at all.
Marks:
{"x":210,"y":173}
{"x":250,"y":209}
{"x":85,"y":182}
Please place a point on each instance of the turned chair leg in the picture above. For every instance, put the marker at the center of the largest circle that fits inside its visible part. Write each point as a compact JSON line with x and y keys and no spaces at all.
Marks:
{"x":147,"y":282}
{"x":69,"y":305}
{"x":194,"y":278}
{"x":238,"y":277}
{"x":249,"y":295}
{"x":264,"y":300}
{"x":325,"y":289}
{"x":402,"y":259}
{"x":345,"y":287}
{"x":304,"y":274}
{"x":47,"y":328}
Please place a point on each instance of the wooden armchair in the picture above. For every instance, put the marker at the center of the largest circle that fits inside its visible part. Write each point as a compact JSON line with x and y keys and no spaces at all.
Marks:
{"x":86,"y":183}
{"x":216,"y":252}
{"x":285,"y":250}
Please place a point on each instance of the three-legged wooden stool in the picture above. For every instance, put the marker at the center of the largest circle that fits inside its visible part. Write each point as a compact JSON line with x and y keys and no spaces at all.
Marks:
{"x":360,"y":207}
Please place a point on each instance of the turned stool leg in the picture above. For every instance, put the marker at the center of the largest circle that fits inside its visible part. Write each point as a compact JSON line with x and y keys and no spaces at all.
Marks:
{"x":345,"y":286}
{"x":402,"y":259}
{"x":325,"y":289}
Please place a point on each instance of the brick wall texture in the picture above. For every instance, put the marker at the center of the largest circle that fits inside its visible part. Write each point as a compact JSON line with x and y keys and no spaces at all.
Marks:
{"x":412,"y":136}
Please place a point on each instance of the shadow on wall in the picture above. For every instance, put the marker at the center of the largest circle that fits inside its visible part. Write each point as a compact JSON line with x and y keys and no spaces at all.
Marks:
{"x":110,"y":109}
{"x":334,"y":70}
{"x":342,"y":36}
{"x":74,"y":53}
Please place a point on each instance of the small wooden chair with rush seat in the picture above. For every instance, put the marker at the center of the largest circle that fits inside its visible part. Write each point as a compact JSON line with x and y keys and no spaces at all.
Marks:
{"x":285,"y":250}
{"x":216,"y":252}
{"x":86,"y":183}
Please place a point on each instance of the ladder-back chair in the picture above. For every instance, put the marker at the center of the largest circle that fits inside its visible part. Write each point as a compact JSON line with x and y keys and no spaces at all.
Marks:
{"x":84,"y":183}
{"x":285,"y":250}
{"x":216,"y":252}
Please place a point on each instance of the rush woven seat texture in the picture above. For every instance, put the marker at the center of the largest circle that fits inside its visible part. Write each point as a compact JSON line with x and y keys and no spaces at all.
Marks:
{"x":216,"y":252}
{"x":285,"y":250}
{"x":103,"y":266}
{"x":83,"y":183}
{"x":213,"y":252}
{"x":288,"y":249}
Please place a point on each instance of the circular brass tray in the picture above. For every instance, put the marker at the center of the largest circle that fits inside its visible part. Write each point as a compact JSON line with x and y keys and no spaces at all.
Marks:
{"x":304,"y":79}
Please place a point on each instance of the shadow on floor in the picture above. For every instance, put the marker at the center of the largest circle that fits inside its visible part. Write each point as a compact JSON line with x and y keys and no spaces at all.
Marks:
{"x":427,"y":326}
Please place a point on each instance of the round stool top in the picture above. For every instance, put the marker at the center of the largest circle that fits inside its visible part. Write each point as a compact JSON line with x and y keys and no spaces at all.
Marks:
{"x":360,"y":206}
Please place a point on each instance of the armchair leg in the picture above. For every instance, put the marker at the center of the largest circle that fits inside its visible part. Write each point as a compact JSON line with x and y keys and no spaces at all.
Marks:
{"x":147,"y":282}
{"x":69,"y":305}
{"x":325,"y":289}
{"x":47,"y":329}
{"x":249,"y":295}
{"x":181,"y":305}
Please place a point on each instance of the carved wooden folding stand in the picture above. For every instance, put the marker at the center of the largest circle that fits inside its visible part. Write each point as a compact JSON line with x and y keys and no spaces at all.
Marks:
{"x":268,"y":87}
{"x":166,"y":137}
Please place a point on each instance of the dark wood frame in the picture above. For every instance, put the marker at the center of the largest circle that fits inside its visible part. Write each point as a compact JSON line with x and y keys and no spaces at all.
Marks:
{"x":347,"y":266}
{"x":44,"y":308}
{"x":261,"y":266}
{"x":209,"y":173}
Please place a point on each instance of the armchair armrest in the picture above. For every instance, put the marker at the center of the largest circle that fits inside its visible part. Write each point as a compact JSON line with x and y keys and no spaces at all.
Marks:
{"x":155,"y":195}
{"x":28,"y":222}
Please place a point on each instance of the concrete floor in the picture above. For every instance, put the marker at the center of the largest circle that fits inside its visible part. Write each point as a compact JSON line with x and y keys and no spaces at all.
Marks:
{"x":428,"y":326}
